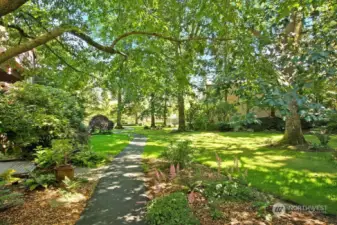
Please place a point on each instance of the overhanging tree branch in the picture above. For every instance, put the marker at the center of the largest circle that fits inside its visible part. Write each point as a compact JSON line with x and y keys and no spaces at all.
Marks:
{"x":20,"y":30}
{"x":161,"y":36}
{"x":43,"y":39}
{"x":56,"y":32}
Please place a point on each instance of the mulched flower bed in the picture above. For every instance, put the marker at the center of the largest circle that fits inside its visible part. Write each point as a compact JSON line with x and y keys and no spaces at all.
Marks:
{"x":48,"y":207}
{"x":233,"y":213}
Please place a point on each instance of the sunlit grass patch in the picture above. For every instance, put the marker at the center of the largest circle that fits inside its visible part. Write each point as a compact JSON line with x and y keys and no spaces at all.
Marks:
{"x":308,"y":178}
{"x":109,"y":145}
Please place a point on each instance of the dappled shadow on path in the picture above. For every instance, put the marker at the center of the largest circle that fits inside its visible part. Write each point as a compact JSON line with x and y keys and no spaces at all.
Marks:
{"x":119,"y":197}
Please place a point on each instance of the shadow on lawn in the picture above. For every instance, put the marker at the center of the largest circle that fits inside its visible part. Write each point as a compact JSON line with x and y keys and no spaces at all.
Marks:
{"x":307,"y":178}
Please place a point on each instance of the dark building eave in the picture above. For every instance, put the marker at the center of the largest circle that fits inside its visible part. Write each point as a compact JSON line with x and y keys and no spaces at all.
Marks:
{"x":9,"y":78}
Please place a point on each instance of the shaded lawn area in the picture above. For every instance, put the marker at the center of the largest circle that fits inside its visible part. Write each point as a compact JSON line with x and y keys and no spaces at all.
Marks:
{"x":109,"y":145}
{"x":307,"y":178}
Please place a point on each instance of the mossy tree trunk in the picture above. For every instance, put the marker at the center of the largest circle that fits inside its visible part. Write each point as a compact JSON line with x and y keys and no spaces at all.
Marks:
{"x":293,"y":131}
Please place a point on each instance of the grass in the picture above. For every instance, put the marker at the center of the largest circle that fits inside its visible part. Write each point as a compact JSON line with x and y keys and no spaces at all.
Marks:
{"x":109,"y":145}
{"x":307,"y":178}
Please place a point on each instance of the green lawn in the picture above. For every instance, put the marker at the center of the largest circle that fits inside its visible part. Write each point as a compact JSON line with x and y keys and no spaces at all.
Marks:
{"x":307,"y":178}
{"x":109,"y":145}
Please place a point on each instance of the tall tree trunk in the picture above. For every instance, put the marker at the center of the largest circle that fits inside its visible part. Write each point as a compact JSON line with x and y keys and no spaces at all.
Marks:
{"x":181,"y":112}
{"x":119,"y":109}
{"x":272,"y":112}
{"x":293,"y":131}
{"x":136,"y":118}
{"x":153,"y":119}
{"x":165,"y":112}
{"x":293,"y":134}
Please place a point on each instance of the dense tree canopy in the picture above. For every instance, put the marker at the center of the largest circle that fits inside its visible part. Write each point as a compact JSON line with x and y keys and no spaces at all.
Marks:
{"x":275,"y":55}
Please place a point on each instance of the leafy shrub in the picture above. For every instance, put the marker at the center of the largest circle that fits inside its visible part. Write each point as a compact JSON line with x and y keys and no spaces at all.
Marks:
{"x":216,"y":213}
{"x":262,"y":210}
{"x":82,"y":135}
{"x":268,"y":123}
{"x":306,"y":125}
{"x":56,"y":155}
{"x":200,"y":122}
{"x":87,"y":158}
{"x":239,"y":122}
{"x":33,"y":115}
{"x":62,"y":148}
{"x":332,"y":123}
{"x":9,"y":199}
{"x":100,"y":123}
{"x":172,"y":209}
{"x":222,"y":126}
{"x":40,"y":180}
{"x":44,"y":157}
{"x":146,"y":127}
{"x":179,"y":153}
{"x":232,"y":190}
{"x":323,"y":137}
{"x":7,"y":176}
{"x":71,"y":185}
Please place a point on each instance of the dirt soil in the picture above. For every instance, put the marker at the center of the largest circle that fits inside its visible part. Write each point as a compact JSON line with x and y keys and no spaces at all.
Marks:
{"x":233,"y":213}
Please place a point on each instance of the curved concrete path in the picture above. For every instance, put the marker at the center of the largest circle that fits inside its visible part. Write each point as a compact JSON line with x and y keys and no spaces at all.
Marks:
{"x":119,"y":197}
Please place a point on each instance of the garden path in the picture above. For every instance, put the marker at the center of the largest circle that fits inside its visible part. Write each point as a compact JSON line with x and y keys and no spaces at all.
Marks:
{"x":20,"y":167}
{"x":119,"y":197}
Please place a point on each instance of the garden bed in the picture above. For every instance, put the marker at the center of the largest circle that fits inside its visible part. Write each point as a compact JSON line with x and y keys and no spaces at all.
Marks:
{"x":52,"y":205}
{"x":224,"y":212}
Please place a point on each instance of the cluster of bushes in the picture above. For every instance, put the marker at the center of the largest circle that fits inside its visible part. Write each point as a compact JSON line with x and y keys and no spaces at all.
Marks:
{"x":179,"y":153}
{"x":64,"y":152}
{"x":268,"y":123}
{"x":172,"y":209}
{"x":44,"y":123}
{"x":100,"y":124}
{"x":48,"y":160}
{"x":233,"y":190}
{"x":249,"y":122}
{"x":35,"y":118}
{"x":32,"y":115}
{"x":36,"y":180}
{"x":231,"y":186}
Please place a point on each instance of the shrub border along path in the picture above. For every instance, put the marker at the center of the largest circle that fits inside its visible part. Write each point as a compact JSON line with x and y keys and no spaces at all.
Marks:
{"x":119,"y":197}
